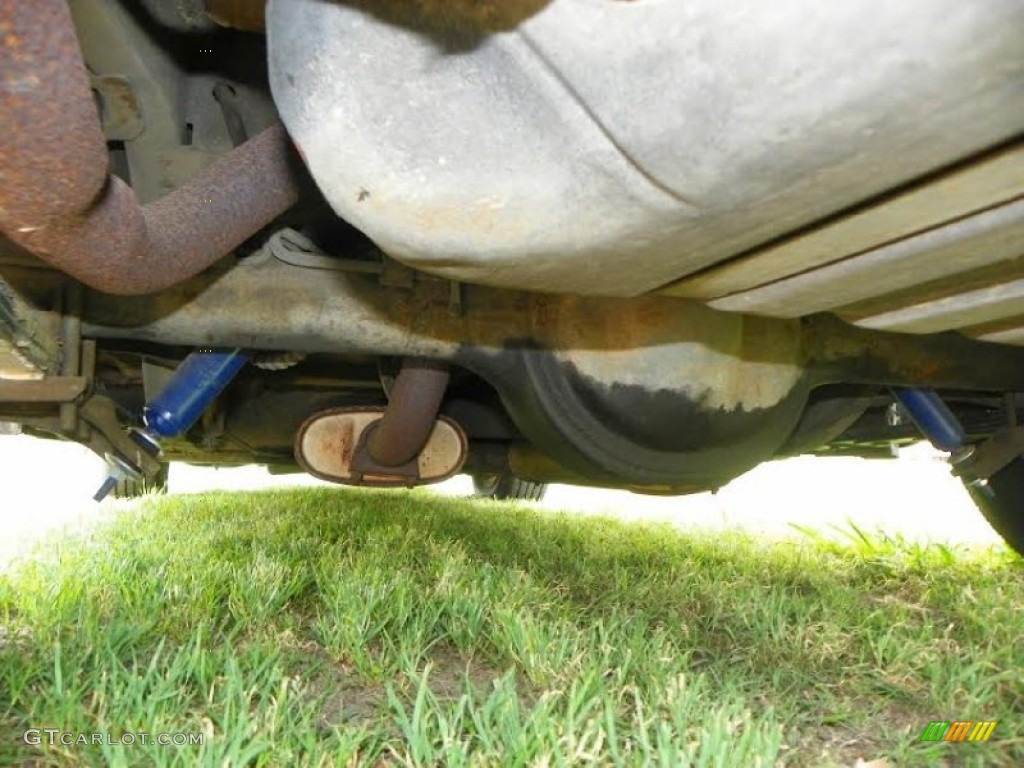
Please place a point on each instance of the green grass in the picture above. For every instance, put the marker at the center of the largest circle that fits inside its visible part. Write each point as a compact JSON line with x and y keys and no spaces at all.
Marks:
{"x":320,"y":627}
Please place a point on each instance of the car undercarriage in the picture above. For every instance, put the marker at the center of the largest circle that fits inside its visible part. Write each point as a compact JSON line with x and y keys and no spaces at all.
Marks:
{"x":630,"y":245}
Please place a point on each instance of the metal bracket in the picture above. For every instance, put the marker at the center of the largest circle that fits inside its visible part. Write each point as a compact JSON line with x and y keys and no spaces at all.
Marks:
{"x":101,"y":414}
{"x":363,"y":462}
{"x":987,"y":458}
{"x":52,"y":389}
{"x":120,"y":113}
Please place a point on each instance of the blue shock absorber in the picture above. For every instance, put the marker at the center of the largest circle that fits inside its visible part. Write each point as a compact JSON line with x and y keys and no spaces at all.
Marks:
{"x":193,"y":386}
{"x":197,"y":381}
{"x":933,"y":417}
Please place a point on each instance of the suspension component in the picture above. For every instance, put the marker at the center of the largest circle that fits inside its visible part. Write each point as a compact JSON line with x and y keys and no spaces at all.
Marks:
{"x":992,"y":472}
{"x":196,"y":383}
{"x":934,"y":418}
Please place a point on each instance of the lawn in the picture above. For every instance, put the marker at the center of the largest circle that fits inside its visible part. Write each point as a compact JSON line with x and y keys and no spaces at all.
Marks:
{"x":321,"y":627}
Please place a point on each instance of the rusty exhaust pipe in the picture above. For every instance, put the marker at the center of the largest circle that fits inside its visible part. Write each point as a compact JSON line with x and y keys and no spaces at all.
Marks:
{"x":412,"y":410}
{"x":58,"y":200}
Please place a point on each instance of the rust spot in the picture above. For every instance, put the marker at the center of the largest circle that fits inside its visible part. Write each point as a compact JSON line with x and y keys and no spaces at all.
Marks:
{"x":247,"y":15}
{"x":929,"y":369}
{"x":445,"y":17}
{"x":346,"y":445}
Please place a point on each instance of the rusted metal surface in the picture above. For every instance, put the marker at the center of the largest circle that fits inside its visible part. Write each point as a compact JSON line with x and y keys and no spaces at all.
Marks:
{"x":838,"y":352}
{"x":719,"y":358}
{"x":345,"y":313}
{"x":172,"y":76}
{"x":325,"y":446}
{"x":247,"y":15}
{"x":364,"y":464}
{"x":651,"y":391}
{"x":53,"y":389}
{"x":58,"y":201}
{"x":52,"y":152}
{"x":411,"y":413}
{"x":120,"y":112}
{"x":617,"y":361}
